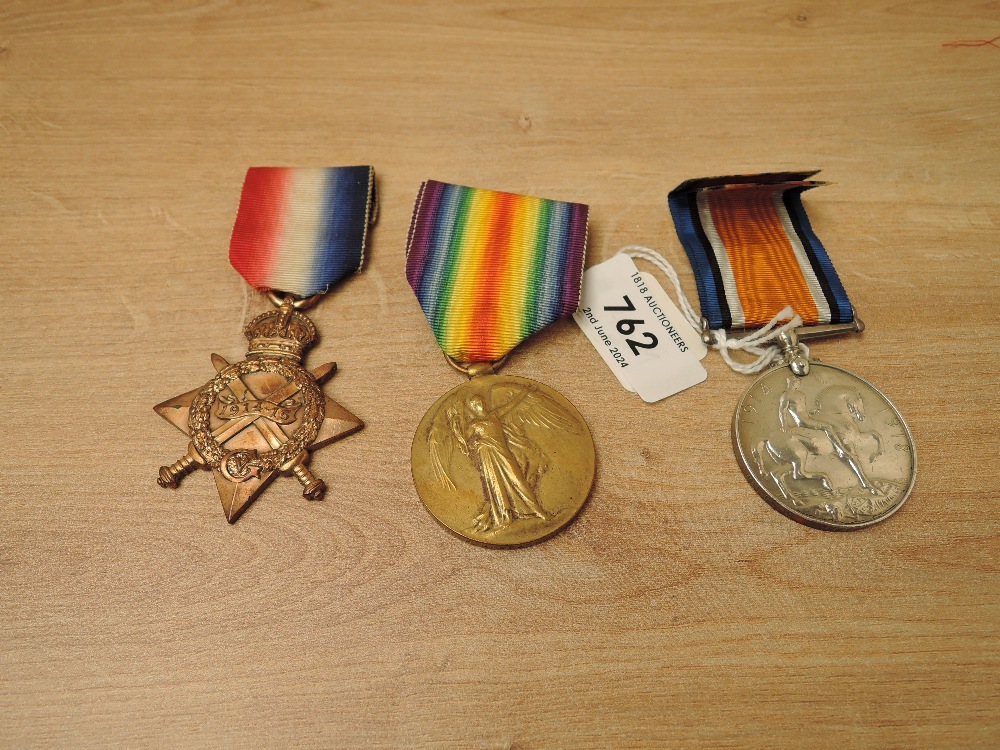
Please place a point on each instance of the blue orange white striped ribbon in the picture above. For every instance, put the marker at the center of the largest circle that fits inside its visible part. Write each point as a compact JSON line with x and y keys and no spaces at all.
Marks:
{"x":754,"y":251}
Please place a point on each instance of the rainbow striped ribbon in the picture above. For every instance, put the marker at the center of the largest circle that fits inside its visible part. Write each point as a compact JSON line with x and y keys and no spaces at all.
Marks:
{"x":754,"y":252}
{"x":302,"y":230}
{"x":490,"y":269}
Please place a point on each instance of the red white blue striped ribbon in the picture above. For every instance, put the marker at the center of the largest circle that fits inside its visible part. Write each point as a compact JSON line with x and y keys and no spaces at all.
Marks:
{"x":302,"y":230}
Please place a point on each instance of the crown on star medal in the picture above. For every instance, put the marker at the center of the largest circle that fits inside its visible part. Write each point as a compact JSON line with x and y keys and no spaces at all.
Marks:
{"x":284,"y":332}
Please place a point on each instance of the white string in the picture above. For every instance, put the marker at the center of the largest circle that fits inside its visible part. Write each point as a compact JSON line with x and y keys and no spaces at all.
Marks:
{"x":757,"y":343}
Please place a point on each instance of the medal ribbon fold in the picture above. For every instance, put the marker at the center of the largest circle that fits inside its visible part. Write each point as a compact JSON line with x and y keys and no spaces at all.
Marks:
{"x":490,"y":268}
{"x":754,"y":251}
{"x":301,"y":231}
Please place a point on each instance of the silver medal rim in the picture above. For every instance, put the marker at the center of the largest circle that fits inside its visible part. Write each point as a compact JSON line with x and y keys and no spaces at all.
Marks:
{"x":791,"y":513}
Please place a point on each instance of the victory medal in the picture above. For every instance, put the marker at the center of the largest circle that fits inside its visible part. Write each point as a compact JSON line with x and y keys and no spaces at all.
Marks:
{"x":499,"y":460}
{"x":819,"y":443}
{"x":298,"y":232}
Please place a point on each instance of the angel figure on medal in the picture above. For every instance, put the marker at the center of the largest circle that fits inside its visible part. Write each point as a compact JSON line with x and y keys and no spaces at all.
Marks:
{"x":491,"y":430}
{"x":500,"y":460}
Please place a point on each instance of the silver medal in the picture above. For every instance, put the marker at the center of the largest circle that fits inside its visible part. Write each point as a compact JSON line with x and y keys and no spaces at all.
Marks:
{"x":822,"y":445}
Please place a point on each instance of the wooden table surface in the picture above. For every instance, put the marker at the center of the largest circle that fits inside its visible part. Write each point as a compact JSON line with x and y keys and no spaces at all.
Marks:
{"x":679,"y":610}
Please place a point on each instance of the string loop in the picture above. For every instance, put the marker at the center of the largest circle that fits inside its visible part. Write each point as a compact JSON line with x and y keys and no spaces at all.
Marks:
{"x":758,"y":344}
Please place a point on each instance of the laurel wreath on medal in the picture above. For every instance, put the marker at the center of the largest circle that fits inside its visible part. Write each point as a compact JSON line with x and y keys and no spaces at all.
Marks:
{"x":312,"y":401}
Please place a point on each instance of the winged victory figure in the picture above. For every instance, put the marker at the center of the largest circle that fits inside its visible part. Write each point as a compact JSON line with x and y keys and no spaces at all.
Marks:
{"x":491,"y":429}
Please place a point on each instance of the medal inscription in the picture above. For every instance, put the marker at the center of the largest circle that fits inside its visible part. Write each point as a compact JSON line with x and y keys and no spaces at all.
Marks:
{"x":503,"y":460}
{"x":827,"y":449}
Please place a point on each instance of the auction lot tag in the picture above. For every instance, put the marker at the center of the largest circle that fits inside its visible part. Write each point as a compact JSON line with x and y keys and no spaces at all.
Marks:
{"x":638,"y":331}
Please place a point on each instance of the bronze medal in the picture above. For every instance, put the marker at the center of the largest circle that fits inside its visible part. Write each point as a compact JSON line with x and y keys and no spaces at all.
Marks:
{"x":259,"y":417}
{"x":300,"y":231}
{"x":503,"y":460}
{"x":500,"y":461}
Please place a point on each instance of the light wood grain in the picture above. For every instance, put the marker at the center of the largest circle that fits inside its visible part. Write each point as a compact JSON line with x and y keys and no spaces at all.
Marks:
{"x":679,"y":610}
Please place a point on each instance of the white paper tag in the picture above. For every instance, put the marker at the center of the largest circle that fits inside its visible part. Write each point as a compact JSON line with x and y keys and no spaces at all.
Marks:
{"x":638,"y":331}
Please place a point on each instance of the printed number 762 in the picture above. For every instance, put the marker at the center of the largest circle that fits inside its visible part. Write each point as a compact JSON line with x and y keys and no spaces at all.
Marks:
{"x":627,"y":326}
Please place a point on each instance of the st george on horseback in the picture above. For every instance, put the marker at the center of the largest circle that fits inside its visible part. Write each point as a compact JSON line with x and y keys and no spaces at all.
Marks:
{"x":832,"y":429}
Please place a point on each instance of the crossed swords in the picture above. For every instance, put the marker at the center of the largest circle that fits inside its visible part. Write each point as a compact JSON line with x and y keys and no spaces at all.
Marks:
{"x":313,"y":488}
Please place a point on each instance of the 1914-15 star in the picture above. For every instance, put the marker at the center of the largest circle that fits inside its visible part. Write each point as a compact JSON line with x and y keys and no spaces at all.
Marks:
{"x":258,"y":418}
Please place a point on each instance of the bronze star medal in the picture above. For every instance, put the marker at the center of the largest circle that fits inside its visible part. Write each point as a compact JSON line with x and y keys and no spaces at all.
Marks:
{"x":260,"y":417}
{"x":299,"y":231}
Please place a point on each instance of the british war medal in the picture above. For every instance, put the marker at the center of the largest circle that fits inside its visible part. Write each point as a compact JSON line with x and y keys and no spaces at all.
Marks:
{"x":819,"y":443}
{"x":498,"y":460}
{"x":298,"y":232}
